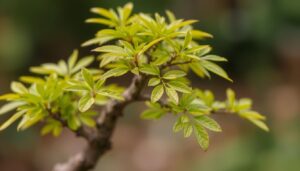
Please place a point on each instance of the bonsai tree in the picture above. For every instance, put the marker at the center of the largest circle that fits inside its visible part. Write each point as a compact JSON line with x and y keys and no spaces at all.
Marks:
{"x":157,"y":52}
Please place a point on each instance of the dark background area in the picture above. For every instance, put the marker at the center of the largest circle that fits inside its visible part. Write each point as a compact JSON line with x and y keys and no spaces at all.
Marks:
{"x":261,"y":39}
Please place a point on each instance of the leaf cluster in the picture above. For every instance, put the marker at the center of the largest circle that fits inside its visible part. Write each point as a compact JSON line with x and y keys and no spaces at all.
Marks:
{"x":161,"y":49}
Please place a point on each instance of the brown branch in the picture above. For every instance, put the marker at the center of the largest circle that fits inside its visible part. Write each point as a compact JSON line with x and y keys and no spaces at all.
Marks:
{"x":100,"y":141}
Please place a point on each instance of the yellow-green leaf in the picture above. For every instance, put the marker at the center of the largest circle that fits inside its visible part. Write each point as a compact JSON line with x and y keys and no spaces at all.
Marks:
{"x":172,"y":94}
{"x":260,"y":124}
{"x":201,"y":136}
{"x":85,"y":103}
{"x":19,"y":88}
{"x":212,"y":67}
{"x":153,"y":82}
{"x":157,"y":92}
{"x":88,"y":77}
{"x":208,"y":123}
{"x":10,"y":106}
{"x":12,"y":119}
{"x":180,"y":86}
{"x":173,"y":74}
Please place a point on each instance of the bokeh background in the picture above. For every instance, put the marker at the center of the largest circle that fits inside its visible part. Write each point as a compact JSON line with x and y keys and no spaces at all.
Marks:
{"x":261,"y":39}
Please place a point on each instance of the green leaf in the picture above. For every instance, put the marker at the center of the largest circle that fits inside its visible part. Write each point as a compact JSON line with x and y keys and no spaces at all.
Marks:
{"x":41,"y":70}
{"x":170,"y":16}
{"x":10,"y":106}
{"x":161,"y":59}
{"x":149,"y":69}
{"x":182,"y":24}
{"x":84,"y":62}
{"x":77,"y":87}
{"x":108,"y":58}
{"x":87,"y":120}
{"x":19,"y":88}
{"x":249,"y":114}
{"x":32,"y":117}
{"x":260,"y":124}
{"x":230,"y":98}
{"x":111,"y":49}
{"x":52,"y":126}
{"x":126,"y":11}
{"x":157,"y":92}
{"x":10,"y":96}
{"x":151,"y":114}
{"x":149,"y":45}
{"x":72,"y":60}
{"x":100,"y":21}
{"x":63,"y":67}
{"x":85,"y":103}
{"x":88,"y":77}
{"x":73,"y":122}
{"x":57,"y":130}
{"x":193,"y":57}
{"x":184,"y":119}
{"x":208,"y":123}
{"x":201,"y":136}
{"x":244,"y":104}
{"x":214,"y":58}
{"x":173,"y":74}
{"x":105,"y":13}
{"x":32,"y":80}
{"x":215,"y":69}
{"x":198,"y":50}
{"x":187,"y":40}
{"x":198,"y":69}
{"x":198,"y":34}
{"x":187,"y":130}
{"x":12,"y":119}
{"x":47,"y":129}
{"x":178,"y":125}
{"x":180,"y":86}
{"x":135,"y":71}
{"x":204,"y":50}
{"x":110,"y":93}
{"x":186,"y":100}
{"x":99,"y":84}
{"x":116,"y":72}
{"x":172,"y":94}
{"x":153,"y":82}
{"x":209,"y":97}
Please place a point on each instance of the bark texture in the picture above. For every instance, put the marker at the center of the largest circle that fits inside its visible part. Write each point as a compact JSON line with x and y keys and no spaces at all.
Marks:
{"x":99,"y":139}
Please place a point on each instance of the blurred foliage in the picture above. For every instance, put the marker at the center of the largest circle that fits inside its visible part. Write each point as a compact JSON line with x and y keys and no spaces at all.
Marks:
{"x":270,"y":152}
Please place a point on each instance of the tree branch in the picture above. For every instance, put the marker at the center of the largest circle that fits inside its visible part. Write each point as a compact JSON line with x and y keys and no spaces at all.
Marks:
{"x":99,"y":142}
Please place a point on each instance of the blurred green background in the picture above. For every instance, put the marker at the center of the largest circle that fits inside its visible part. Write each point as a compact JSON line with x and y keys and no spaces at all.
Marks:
{"x":261,"y":39}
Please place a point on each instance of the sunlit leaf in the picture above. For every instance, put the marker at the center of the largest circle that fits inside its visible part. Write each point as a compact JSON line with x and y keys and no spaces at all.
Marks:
{"x":10,"y":106}
{"x":153,"y":82}
{"x":157,"y":92}
{"x":173,"y":74}
{"x":88,"y":77}
{"x":172,"y":94}
{"x":208,"y":123}
{"x":12,"y":120}
{"x":86,"y":102}
{"x":201,"y":136}
{"x":212,"y":67}
{"x":180,"y":86}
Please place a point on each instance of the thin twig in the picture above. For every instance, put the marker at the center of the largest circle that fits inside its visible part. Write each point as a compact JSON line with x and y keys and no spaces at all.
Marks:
{"x":101,"y":143}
